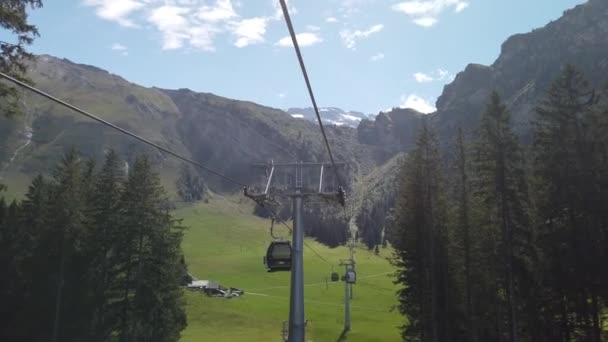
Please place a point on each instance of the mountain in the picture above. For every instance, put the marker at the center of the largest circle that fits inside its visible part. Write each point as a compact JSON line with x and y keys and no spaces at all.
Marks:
{"x":224,"y":134}
{"x":522,"y":73}
{"x":229,"y":135}
{"x":329,"y":115}
{"x":527,"y":64}
{"x":391,"y":133}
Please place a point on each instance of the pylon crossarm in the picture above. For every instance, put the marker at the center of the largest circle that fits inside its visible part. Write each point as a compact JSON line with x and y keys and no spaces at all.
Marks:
{"x":260,"y":199}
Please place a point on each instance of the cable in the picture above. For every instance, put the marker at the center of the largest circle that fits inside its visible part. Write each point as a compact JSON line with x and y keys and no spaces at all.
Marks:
{"x":375,"y":286}
{"x":122,"y":130}
{"x":265,"y":138}
{"x":160,"y":148}
{"x":294,"y":39}
{"x":309,"y":247}
{"x":274,"y":215}
{"x":363,"y":308}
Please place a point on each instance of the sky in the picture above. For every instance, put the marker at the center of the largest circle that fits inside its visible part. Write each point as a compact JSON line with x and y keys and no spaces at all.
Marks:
{"x":363,"y":55}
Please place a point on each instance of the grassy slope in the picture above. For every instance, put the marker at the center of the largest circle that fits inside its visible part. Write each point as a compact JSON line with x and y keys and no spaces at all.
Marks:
{"x":225,"y":243}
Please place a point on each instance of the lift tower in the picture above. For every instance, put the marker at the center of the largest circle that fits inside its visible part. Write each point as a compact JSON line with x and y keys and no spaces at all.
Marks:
{"x":299,"y":188}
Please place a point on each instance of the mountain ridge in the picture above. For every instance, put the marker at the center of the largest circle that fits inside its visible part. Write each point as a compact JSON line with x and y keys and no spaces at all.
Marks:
{"x":230,"y":134}
{"x":525,"y":67}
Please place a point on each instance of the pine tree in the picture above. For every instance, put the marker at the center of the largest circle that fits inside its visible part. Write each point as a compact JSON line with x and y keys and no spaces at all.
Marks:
{"x":190,"y":185}
{"x":568,"y":182}
{"x":103,"y":232}
{"x":14,"y":56}
{"x":464,"y":235}
{"x":68,"y":249}
{"x":85,"y":257}
{"x":502,"y":189}
{"x":151,"y":304}
{"x":598,"y":124}
{"x":31,"y":323}
{"x":420,"y":241}
{"x":11,"y":294}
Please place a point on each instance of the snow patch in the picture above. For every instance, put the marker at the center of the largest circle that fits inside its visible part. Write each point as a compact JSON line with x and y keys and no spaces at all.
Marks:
{"x":298,"y":116}
{"x":337,"y":123}
{"x":351,"y":117}
{"x":28,"y":133}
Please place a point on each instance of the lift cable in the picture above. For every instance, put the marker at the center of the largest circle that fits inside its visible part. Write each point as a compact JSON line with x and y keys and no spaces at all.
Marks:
{"x":294,"y":39}
{"x":276,"y":218}
{"x":122,"y":130}
{"x":144,"y":140}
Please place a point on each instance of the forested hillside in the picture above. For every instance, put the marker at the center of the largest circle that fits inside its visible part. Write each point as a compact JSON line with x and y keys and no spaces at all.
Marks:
{"x":92,"y":254}
{"x":230,"y":135}
{"x":508,"y":242}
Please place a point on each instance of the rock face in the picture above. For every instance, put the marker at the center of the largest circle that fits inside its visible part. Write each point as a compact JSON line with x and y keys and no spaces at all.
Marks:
{"x":391,"y":133}
{"x":527,"y":64}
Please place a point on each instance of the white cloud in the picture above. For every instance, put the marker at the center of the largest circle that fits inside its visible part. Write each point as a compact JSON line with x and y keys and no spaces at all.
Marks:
{"x":278,"y":10}
{"x":425,"y":22}
{"x":418,"y":103}
{"x":118,"y":47}
{"x":437,"y":75}
{"x":422,"y":77}
{"x":426,"y":12}
{"x":172,"y":22}
{"x":349,"y":38}
{"x":194,"y":24}
{"x":443,"y":74}
{"x":351,"y":7}
{"x":377,"y":57}
{"x":116,"y":10}
{"x":123,"y":50}
{"x":222,"y":10}
{"x":250,"y":31}
{"x":281,"y":96}
{"x":331,"y":20}
{"x":313,"y":28}
{"x":304,"y":39}
{"x":461,"y":6}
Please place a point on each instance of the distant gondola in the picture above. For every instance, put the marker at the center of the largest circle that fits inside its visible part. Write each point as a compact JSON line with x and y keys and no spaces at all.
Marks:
{"x":278,"y":256}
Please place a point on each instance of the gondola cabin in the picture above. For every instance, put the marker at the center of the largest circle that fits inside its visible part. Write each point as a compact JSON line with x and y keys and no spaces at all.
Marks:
{"x":278,"y":256}
{"x":350,"y":276}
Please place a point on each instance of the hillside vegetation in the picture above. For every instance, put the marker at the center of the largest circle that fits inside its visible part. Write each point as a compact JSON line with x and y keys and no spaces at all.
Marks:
{"x":226,"y":243}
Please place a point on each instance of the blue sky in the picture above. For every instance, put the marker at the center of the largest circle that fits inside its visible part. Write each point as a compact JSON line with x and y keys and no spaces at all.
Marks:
{"x":365,"y":55}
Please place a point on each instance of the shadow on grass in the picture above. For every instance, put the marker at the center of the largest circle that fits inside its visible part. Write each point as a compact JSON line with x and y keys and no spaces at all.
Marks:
{"x":342,"y":336}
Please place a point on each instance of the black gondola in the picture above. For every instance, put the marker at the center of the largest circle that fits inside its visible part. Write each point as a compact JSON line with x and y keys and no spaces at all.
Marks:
{"x":278,"y":256}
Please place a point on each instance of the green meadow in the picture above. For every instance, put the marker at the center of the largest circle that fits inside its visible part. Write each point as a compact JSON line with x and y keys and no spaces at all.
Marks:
{"x":224,"y":242}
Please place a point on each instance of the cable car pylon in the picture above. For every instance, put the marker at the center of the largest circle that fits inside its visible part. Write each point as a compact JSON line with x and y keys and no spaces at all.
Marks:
{"x":298,"y":192}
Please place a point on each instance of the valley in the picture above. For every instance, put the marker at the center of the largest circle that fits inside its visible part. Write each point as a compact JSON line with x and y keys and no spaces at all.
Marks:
{"x":415,"y":184}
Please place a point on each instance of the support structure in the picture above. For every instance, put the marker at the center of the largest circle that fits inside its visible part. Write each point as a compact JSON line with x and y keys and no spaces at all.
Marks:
{"x":349,"y":278}
{"x":298,"y":193}
{"x":296,"y":298}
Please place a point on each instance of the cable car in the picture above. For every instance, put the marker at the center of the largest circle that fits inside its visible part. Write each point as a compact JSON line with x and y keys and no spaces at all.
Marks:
{"x":335,"y":276}
{"x":278,"y":256}
{"x":350,"y":276}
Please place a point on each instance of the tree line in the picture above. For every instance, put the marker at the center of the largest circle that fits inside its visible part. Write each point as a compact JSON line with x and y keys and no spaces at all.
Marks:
{"x":91,"y":255}
{"x":496,"y":241}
